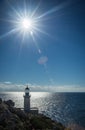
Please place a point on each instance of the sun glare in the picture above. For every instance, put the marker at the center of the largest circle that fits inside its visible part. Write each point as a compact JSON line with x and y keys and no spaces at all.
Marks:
{"x":28,"y":20}
{"x":27,"y":24}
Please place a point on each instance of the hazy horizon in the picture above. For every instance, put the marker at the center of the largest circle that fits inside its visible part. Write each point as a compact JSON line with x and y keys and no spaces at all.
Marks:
{"x":10,"y":87}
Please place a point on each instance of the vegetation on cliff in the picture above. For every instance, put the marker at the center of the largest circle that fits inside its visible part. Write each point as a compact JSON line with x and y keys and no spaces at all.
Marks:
{"x":12,"y":118}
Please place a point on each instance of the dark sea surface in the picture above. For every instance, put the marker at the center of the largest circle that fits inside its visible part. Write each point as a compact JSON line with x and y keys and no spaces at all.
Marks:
{"x":67,"y":108}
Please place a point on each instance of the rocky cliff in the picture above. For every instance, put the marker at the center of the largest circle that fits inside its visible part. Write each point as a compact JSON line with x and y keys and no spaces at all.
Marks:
{"x":12,"y":118}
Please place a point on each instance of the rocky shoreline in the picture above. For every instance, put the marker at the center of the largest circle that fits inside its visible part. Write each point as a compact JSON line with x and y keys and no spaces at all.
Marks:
{"x":12,"y":118}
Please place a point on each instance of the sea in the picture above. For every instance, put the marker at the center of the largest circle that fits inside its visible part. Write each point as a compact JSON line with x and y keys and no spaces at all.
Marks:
{"x":67,"y":108}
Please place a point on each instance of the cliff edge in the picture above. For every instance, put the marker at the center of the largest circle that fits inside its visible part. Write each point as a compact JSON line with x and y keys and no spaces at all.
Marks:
{"x":12,"y":118}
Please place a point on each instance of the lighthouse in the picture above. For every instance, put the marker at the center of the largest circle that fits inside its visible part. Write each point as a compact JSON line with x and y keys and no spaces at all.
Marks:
{"x":27,"y":100}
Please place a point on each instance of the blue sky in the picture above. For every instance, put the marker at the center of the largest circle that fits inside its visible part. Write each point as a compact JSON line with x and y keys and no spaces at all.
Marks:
{"x":50,"y":59}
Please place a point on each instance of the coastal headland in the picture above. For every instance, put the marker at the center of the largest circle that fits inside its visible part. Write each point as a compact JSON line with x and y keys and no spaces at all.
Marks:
{"x":12,"y":118}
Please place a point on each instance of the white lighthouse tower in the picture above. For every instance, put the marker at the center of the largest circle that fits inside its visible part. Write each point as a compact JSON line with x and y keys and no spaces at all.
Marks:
{"x":27,"y":100}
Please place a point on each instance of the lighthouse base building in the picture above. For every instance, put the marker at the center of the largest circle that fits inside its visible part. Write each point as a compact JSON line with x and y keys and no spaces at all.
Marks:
{"x":27,"y":108}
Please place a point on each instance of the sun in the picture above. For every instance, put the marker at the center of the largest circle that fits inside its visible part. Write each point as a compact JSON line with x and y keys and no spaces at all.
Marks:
{"x":27,"y":24}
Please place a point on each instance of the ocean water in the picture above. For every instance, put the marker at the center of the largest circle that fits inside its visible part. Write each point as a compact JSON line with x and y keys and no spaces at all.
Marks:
{"x":67,"y":108}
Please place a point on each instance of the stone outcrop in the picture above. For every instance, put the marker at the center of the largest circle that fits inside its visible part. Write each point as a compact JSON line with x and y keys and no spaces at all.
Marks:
{"x":12,"y":118}
{"x":0,"y":100}
{"x":9,"y":103}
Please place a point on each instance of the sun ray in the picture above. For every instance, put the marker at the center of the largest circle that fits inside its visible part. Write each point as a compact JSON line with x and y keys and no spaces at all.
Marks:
{"x":25,"y":8}
{"x":53,"y":10}
{"x":41,"y":31}
{"x":9,"y":33}
{"x":14,"y":10}
{"x":35,"y":10}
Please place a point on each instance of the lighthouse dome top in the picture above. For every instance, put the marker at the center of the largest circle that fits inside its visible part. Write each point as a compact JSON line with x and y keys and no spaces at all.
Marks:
{"x":27,"y":89}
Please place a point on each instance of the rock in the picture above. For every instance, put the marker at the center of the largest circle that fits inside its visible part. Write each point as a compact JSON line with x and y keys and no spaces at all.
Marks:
{"x":12,"y":109}
{"x":1,"y":128}
{"x":9,"y":103}
{"x":5,"y":116}
{"x":20,"y":113}
{"x":0,"y":100}
{"x":3,"y":107}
